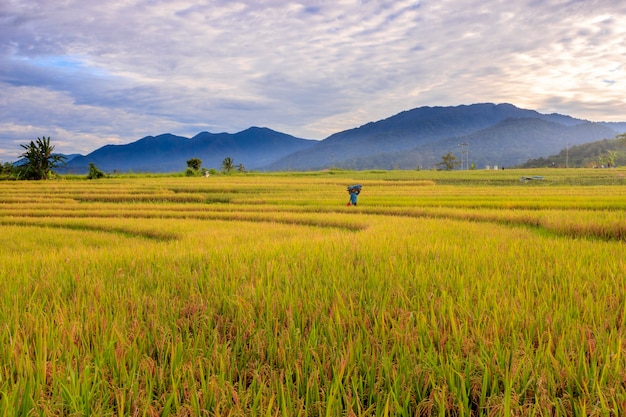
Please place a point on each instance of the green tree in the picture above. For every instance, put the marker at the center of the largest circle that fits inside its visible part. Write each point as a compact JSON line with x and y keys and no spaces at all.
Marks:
{"x":94,"y":172}
{"x":448,"y":162}
{"x":228,"y":164}
{"x":241,"y":168}
{"x":621,"y":138}
{"x":7,"y":169}
{"x":40,"y":161}
{"x":610,"y":157}
{"x":194,"y":163}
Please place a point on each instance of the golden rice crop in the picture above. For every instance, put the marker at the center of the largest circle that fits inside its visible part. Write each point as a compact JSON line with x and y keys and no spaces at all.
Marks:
{"x":265,"y":295}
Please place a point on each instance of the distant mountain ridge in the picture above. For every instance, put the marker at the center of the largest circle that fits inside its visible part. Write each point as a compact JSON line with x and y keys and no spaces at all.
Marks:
{"x":253,"y":147}
{"x":419,"y":137}
{"x":497,"y":134}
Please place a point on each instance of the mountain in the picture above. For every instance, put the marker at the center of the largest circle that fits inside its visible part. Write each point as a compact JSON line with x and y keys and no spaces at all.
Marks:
{"x":619,"y":127}
{"x":510,"y":142}
{"x":497,"y":134}
{"x":69,"y":157}
{"x":253,"y":147}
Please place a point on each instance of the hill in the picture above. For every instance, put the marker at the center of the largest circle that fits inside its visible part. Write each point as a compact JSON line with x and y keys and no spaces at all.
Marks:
{"x":606,"y":152}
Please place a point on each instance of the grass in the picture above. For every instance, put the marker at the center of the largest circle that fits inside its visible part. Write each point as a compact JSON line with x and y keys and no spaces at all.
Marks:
{"x":440,"y":294}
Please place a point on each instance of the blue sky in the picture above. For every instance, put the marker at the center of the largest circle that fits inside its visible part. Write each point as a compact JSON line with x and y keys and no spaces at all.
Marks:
{"x":88,"y":73}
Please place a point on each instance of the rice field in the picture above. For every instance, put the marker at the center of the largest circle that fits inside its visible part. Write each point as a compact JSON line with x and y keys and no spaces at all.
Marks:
{"x":441,"y":294}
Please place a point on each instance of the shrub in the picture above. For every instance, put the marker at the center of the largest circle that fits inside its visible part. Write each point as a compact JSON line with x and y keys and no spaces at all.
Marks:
{"x":94,"y":172}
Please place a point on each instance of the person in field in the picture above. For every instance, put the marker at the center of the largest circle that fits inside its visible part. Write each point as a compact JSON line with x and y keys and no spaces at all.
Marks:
{"x":354,"y":191}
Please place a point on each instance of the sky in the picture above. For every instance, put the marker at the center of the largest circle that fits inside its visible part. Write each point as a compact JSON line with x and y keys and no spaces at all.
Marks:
{"x":88,"y":73}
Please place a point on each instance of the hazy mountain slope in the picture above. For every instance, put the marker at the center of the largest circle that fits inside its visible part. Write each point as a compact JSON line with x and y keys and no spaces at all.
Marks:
{"x":510,"y":142}
{"x":514,"y":141}
{"x":618,"y":127}
{"x":418,"y":127}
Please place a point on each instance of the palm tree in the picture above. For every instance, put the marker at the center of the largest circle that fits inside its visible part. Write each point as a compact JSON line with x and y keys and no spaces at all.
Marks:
{"x":39,"y":159}
{"x":227,"y":164}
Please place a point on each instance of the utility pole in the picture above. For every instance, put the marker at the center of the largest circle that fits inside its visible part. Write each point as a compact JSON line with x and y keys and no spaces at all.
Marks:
{"x":464,"y":155}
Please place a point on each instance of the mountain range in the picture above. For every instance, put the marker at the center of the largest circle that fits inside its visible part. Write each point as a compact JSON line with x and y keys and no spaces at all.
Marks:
{"x":495,"y":134}
{"x":254,"y":148}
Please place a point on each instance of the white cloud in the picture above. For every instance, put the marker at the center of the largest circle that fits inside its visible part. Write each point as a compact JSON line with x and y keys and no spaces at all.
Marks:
{"x":97,"y":74}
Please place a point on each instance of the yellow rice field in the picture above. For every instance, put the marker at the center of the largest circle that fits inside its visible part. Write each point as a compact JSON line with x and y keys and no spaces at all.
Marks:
{"x":460,"y":293}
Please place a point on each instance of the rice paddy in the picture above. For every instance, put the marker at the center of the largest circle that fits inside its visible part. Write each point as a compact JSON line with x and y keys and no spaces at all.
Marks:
{"x":440,"y":294}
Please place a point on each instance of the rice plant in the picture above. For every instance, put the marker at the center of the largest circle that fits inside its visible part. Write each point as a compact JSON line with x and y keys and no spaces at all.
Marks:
{"x":460,"y":294}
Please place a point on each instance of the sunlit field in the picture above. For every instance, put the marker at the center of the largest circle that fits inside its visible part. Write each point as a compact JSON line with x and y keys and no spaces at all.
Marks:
{"x":466,"y":293}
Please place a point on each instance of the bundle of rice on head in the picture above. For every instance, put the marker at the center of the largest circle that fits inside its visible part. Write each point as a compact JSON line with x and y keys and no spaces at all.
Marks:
{"x":354,"y":191}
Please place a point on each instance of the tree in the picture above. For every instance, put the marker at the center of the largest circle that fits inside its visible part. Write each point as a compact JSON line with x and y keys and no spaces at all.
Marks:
{"x":40,"y":161}
{"x":621,"y":138}
{"x":241,"y":168}
{"x":7,"y":169}
{"x":94,"y":172}
{"x":227,"y":164}
{"x":448,"y":162}
{"x":610,"y":157}
{"x":194,"y":163}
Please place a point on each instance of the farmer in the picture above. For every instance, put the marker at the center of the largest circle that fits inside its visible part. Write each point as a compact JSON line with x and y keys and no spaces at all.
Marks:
{"x":354,"y":191}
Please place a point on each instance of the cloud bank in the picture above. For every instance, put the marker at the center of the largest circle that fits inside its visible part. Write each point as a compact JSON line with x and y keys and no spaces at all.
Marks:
{"x":89,"y":74}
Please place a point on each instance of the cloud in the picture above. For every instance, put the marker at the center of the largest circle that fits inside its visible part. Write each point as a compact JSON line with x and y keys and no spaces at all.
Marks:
{"x":94,"y":74}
